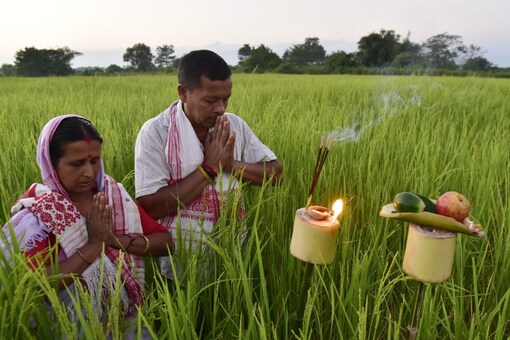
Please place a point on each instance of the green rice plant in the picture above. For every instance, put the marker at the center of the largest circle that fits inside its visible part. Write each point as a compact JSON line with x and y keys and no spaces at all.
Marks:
{"x":422,"y":134}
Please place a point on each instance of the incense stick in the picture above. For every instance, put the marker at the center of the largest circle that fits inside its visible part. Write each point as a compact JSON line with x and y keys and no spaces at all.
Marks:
{"x":324,"y":148}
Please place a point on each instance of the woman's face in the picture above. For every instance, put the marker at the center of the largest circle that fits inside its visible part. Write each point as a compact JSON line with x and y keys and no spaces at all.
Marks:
{"x":79,"y":166}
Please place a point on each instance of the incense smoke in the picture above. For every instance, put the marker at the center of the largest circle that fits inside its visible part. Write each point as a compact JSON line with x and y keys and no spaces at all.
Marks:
{"x":391,"y":105}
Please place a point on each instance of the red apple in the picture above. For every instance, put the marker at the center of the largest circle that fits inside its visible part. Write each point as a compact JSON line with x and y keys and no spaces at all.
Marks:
{"x":454,"y":205}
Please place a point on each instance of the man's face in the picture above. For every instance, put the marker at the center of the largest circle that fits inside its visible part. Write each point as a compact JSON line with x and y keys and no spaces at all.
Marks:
{"x":206,"y":103}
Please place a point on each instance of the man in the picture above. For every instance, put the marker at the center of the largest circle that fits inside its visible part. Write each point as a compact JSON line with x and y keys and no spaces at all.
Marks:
{"x":190,"y":155}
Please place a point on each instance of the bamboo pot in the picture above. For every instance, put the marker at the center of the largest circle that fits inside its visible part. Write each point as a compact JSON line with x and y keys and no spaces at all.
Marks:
{"x":314,"y":241}
{"x":429,"y":254}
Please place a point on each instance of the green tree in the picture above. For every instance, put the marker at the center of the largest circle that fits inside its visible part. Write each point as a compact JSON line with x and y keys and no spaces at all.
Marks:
{"x":477,"y":64}
{"x":114,"y":69}
{"x":140,"y":57}
{"x":176,"y":62}
{"x":379,"y":49}
{"x":164,"y":55}
{"x":262,"y":59}
{"x":30,"y":62}
{"x":474,"y":60}
{"x":473,"y":51}
{"x":91,"y":71}
{"x":309,"y":53}
{"x":244,"y":53}
{"x":340,"y":60}
{"x":409,"y":55}
{"x":33,"y":62}
{"x":7,"y":70}
{"x":442,"y":51}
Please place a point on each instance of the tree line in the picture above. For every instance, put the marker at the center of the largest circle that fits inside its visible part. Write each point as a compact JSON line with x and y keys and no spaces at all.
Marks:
{"x":382,"y":52}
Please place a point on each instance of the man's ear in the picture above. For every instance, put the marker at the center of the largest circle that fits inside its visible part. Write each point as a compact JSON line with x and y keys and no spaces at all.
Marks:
{"x":183,"y":93}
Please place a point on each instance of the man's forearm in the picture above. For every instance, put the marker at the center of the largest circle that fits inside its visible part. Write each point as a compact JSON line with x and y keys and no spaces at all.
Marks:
{"x":256,"y":173}
{"x":166,"y":200}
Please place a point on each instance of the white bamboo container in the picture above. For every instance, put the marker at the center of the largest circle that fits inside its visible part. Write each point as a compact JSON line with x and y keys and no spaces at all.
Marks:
{"x":429,"y":254}
{"x":314,"y":237}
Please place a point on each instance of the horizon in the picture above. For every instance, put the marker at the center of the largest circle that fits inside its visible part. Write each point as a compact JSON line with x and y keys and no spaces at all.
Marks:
{"x":105,"y":57}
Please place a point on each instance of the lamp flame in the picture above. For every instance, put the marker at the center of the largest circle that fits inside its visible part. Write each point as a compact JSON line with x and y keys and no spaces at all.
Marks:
{"x":337,"y":208}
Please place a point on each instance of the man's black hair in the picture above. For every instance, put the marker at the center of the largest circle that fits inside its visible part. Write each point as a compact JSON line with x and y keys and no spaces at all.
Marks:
{"x":200,"y":63}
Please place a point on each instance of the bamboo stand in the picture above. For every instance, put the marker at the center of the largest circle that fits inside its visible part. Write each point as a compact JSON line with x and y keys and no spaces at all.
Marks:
{"x":430,"y":250}
{"x":428,"y":259}
{"x":415,"y":321}
{"x":313,"y":241}
{"x":303,"y":291}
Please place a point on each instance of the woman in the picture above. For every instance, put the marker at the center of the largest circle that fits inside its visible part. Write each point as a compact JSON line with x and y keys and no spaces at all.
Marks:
{"x":83,"y":219}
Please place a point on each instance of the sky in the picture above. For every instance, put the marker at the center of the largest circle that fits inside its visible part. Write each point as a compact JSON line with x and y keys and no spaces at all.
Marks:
{"x":103,"y":30}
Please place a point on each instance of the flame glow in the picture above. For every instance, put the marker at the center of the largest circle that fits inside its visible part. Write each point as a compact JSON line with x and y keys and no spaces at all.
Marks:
{"x":337,"y":208}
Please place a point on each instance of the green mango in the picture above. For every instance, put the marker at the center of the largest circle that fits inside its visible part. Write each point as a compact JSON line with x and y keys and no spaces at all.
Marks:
{"x":408,"y":202}
{"x":430,"y":206}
